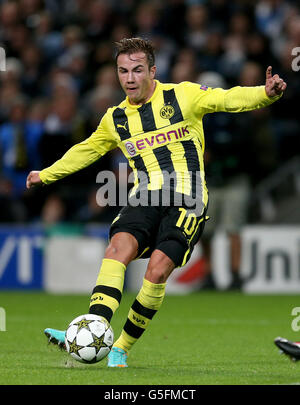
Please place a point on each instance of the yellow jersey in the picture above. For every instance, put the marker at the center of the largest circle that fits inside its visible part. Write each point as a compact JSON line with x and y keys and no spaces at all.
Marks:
{"x":163,"y":138}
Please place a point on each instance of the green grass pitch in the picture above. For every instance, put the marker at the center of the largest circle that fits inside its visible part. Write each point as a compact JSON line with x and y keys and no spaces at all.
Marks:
{"x":204,"y":338}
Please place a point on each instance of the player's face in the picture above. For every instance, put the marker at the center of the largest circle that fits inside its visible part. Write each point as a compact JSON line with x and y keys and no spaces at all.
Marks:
{"x":136,"y":79}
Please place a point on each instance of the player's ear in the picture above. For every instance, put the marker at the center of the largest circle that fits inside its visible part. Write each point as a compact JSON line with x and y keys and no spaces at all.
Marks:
{"x":152,"y":72}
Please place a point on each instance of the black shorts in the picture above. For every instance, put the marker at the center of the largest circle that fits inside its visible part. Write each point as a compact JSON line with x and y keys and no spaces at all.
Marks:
{"x":173,"y":230}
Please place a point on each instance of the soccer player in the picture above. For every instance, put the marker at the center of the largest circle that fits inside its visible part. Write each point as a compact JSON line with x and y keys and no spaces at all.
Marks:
{"x":159,"y":129}
{"x":291,"y":349}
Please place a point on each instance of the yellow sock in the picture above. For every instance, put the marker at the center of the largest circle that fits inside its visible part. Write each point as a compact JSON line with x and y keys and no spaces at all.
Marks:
{"x":107,"y":294}
{"x":145,"y":306}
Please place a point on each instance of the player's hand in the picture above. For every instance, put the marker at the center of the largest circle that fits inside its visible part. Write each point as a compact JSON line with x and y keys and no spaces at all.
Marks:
{"x":33,"y":179}
{"x":274,"y":84}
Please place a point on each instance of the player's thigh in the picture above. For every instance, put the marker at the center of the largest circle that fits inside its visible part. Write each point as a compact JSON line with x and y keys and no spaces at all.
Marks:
{"x":179,"y":231}
{"x":123,"y":247}
{"x":140,"y":222}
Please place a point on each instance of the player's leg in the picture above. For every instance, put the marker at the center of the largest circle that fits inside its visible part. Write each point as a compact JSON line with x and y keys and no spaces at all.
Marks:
{"x":178,"y":232}
{"x":129,"y":238}
{"x":107,"y":294}
{"x":144,"y":307}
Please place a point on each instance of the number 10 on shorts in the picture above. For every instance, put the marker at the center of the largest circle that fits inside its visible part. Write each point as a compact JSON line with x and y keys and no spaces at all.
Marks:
{"x":188,"y":222}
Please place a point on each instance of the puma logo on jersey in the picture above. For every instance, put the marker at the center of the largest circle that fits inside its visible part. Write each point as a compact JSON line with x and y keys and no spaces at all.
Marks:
{"x":125,"y":126}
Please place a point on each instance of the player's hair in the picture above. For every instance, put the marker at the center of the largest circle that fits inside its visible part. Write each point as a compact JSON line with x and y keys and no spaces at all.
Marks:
{"x":132,"y":45}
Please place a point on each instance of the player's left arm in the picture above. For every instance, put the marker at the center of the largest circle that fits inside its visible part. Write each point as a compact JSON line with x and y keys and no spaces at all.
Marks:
{"x":240,"y":99}
{"x":243,"y":98}
{"x":275,"y":85}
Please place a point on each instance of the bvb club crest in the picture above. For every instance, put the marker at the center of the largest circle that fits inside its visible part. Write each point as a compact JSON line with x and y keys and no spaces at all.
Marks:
{"x":167,"y":111}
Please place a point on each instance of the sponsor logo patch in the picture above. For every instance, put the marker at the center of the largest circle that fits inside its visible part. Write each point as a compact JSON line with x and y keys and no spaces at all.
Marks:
{"x":130,"y":148}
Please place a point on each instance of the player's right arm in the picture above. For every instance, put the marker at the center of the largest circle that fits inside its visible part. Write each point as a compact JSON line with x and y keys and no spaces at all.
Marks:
{"x":76,"y":158}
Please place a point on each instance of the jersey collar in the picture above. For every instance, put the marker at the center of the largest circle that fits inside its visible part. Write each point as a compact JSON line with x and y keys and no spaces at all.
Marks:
{"x":136,"y":106}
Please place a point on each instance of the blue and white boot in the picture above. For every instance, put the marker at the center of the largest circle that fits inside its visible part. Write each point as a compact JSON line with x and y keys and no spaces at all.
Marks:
{"x":117,"y":358}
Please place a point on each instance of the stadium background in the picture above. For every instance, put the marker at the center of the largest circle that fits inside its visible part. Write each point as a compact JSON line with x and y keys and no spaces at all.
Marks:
{"x":58,"y":81}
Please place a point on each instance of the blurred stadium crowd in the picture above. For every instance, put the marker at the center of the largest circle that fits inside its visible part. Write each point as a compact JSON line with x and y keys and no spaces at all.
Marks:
{"x":60,"y":79}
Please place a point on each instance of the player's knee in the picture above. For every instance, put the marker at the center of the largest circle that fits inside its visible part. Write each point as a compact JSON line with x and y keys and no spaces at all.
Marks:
{"x":159,"y":268}
{"x":156,"y":276}
{"x":174,"y":250}
{"x":122,"y":247}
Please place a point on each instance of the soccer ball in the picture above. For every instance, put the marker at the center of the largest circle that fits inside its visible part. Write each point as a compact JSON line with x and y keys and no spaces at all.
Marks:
{"x":89,"y":338}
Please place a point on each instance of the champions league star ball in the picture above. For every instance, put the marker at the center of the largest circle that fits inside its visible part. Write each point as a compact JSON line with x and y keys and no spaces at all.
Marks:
{"x":89,"y":338}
